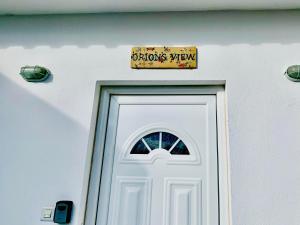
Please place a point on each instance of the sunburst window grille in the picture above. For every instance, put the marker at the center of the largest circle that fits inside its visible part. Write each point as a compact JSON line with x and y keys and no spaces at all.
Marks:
{"x":160,"y":141}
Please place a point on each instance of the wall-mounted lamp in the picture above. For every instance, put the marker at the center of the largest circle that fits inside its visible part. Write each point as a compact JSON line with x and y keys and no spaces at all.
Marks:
{"x":293,"y":73}
{"x":34,"y":73}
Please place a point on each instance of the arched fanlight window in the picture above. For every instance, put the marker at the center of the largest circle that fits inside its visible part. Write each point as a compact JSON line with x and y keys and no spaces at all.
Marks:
{"x":162,"y":141}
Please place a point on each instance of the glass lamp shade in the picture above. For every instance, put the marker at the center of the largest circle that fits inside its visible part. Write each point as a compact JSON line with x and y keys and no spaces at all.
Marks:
{"x":34,"y":73}
{"x":293,"y":73}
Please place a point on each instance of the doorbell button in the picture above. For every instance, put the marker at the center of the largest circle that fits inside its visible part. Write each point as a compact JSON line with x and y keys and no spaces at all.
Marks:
{"x":47,"y":214}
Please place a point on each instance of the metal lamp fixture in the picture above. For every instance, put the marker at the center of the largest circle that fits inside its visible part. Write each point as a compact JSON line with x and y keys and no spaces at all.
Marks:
{"x":34,"y":73}
{"x":293,"y":73}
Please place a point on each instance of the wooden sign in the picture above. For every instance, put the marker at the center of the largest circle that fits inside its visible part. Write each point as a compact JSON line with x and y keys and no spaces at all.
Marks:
{"x":164,"y":57}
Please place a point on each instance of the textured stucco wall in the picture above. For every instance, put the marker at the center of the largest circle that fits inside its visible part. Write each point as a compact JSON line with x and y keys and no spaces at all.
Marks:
{"x":44,"y":127}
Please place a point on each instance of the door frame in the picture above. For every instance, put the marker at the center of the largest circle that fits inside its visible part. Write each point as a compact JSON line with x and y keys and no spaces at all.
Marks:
{"x":99,"y":125}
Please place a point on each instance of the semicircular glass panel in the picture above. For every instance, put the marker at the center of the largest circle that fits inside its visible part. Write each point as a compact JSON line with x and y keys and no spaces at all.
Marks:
{"x":168,"y":140}
{"x":160,"y":140}
{"x":139,"y":148}
{"x":152,"y":140}
{"x":180,"y":149}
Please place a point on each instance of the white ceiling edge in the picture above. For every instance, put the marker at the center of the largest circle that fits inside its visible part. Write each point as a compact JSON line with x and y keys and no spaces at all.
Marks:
{"x":36,"y":7}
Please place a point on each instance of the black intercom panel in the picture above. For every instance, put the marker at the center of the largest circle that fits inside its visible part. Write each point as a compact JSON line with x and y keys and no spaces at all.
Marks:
{"x":63,"y":211}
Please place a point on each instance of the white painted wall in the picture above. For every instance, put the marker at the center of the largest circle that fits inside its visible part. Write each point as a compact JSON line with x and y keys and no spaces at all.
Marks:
{"x":44,"y":127}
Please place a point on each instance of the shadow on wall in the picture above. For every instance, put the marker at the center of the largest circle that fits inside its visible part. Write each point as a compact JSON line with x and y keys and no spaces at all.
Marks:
{"x":112,"y":30}
{"x":55,"y":144}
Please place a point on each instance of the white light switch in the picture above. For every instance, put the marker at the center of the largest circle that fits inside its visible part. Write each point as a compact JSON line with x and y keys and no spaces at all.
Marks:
{"x":47,"y":214}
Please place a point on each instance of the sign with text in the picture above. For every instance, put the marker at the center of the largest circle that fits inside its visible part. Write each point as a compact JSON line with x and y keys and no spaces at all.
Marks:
{"x":164,"y":57}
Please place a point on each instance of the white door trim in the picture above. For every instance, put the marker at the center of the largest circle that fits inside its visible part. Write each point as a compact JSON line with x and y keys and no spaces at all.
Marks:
{"x":99,"y":124}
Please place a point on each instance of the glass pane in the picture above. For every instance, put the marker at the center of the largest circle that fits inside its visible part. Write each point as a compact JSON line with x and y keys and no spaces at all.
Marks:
{"x":152,"y":140}
{"x":180,"y":149}
{"x":168,"y":140}
{"x":139,"y":148}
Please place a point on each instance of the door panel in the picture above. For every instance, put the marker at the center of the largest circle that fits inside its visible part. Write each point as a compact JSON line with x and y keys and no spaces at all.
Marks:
{"x":182,"y":201}
{"x":164,"y":162}
{"x":132,"y":205}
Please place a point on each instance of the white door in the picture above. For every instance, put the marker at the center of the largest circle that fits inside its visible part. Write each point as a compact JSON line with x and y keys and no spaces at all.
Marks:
{"x":162,"y":166}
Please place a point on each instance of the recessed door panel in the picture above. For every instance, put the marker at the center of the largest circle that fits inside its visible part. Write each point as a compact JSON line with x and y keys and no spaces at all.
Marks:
{"x":131,"y":204}
{"x":182,"y":201}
